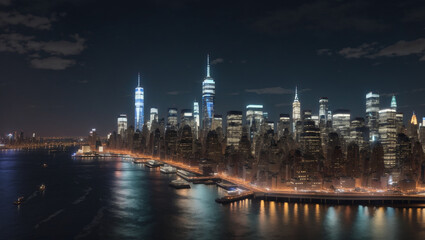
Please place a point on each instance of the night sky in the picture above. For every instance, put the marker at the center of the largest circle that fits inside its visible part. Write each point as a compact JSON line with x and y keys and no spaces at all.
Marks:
{"x":69,"y":66}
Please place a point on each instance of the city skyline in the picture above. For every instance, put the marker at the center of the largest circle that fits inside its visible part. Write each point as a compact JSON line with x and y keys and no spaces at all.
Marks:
{"x":78,"y":70}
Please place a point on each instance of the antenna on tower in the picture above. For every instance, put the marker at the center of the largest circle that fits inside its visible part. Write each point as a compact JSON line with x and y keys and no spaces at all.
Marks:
{"x":208,"y":65}
{"x":138,"y":79}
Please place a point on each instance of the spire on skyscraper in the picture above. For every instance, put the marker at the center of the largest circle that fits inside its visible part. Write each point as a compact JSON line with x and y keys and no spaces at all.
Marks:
{"x":414,"y":120}
{"x":138,"y":79}
{"x":393,"y":103}
{"x":208,"y":65}
{"x":296,"y":94}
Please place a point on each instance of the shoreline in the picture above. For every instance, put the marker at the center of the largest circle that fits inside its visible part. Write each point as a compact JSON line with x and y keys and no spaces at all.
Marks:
{"x":321,"y":197}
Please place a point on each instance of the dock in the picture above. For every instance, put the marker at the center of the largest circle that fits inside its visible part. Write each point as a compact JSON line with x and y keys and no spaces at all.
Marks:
{"x":235,"y":198}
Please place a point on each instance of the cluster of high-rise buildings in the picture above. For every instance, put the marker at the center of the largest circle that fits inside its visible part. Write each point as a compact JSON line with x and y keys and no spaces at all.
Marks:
{"x":303,"y":151}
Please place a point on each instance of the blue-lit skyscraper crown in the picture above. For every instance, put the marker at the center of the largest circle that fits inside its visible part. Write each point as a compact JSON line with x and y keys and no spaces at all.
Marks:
{"x":208,"y":98}
{"x":139,"y":116}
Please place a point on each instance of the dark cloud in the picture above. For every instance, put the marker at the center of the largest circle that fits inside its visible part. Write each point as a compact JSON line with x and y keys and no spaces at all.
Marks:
{"x":403,"y":48}
{"x":59,"y":47}
{"x":28,"y":20}
{"x":272,"y":90}
{"x":52,"y":63}
{"x":372,"y":50}
{"x":217,"y":60}
{"x":5,"y":2}
{"x":357,"y":52}
{"x":321,"y":15}
{"x":14,"y":42}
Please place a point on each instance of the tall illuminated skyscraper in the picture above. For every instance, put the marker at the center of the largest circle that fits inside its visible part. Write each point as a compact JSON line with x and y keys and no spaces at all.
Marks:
{"x":122,"y":124}
{"x":388,"y":135}
{"x":323,"y":110}
{"x":172,"y":120}
{"x":153,"y":117}
{"x":254,"y":118}
{"x":234,"y":128}
{"x":196,"y":117}
{"x":341,"y":123}
{"x":296,"y":111}
{"x":139,"y":116}
{"x":372,"y":115}
{"x":208,"y":98}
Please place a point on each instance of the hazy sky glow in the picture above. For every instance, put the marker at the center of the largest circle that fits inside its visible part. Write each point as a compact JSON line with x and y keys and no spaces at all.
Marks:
{"x":69,"y":66}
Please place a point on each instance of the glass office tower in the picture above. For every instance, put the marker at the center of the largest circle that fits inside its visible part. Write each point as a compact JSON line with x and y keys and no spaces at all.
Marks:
{"x":296,"y":111}
{"x":372,"y":115}
{"x":122,"y":124}
{"x":208,"y":98}
{"x":139,"y":116}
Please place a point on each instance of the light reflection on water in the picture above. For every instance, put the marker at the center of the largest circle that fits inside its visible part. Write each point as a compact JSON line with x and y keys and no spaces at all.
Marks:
{"x":139,"y":204}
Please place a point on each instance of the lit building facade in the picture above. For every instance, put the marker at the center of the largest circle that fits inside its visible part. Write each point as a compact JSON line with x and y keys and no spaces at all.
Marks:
{"x":323,"y":110}
{"x":208,"y":98}
{"x":196,"y":118}
{"x":341,"y":123}
{"x":153,"y":117}
{"x":122,"y":124}
{"x":217,"y":122}
{"x":388,"y":135}
{"x":296,"y":111}
{"x":139,"y":116}
{"x":234,"y":128}
{"x":172,"y":120}
{"x":283,"y":124}
{"x":359,"y":133}
{"x":186,"y":118}
{"x":254,"y":118}
{"x":372,"y":115}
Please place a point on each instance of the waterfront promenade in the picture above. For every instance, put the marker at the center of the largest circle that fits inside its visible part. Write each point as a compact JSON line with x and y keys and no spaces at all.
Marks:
{"x":289,"y":195}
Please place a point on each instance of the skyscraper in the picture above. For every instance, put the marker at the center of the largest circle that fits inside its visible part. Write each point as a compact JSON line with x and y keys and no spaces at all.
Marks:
{"x":196,"y":118}
{"x":388,"y":135}
{"x":172,"y":118}
{"x":254,"y":118}
{"x":153,"y":117}
{"x":186,"y":118}
{"x":283,"y":125}
{"x":217,"y":122}
{"x":208,"y":98}
{"x":341,"y":123}
{"x":139,"y":116}
{"x":234,"y":128}
{"x":122,"y":124}
{"x":296,"y":111}
{"x":323,"y":110}
{"x":372,"y":115}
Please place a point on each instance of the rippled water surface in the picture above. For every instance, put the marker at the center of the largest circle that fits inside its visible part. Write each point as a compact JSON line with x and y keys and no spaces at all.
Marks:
{"x":114,"y":199}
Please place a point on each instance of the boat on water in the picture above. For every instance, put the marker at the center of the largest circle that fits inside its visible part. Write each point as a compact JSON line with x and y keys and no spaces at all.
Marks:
{"x":168,"y":169}
{"x":153,"y":163}
{"x":19,"y":201}
{"x":179,"y":184}
{"x":42,"y":187}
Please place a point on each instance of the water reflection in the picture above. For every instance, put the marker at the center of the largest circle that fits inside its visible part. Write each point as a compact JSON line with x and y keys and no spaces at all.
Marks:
{"x":139,"y":204}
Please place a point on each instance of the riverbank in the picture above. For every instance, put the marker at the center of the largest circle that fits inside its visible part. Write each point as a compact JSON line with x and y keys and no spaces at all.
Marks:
{"x":324,"y":197}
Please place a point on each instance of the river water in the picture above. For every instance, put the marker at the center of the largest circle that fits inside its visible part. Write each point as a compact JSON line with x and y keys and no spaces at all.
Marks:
{"x":115,"y":199}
